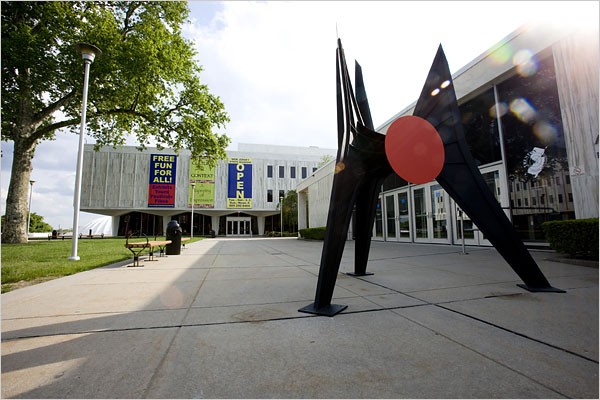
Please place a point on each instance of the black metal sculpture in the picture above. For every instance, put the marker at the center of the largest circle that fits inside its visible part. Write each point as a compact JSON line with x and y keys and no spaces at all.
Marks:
{"x":362,"y":165}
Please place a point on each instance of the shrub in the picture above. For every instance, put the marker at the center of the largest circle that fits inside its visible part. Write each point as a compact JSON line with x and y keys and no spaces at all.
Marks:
{"x":278,"y":234}
{"x":578,"y":237}
{"x":313,"y":233}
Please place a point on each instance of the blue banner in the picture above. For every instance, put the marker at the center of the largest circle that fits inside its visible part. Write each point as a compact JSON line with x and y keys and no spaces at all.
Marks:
{"x":239,"y":188}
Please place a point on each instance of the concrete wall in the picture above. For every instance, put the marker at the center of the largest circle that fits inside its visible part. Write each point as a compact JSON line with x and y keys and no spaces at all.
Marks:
{"x":115,"y":181}
{"x":577,"y":63}
{"x":316,"y":193}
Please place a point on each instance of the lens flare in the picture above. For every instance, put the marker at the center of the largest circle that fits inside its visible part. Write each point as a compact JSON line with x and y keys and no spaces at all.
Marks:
{"x":172,"y":297}
{"x":498,"y":110}
{"x":525,"y":62}
{"x":435,"y":92}
{"x":339,"y":167}
{"x":502,"y":54}
{"x":545,"y":132}
{"x":523,"y":110}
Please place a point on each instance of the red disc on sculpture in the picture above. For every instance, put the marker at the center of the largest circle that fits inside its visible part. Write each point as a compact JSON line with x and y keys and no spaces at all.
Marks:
{"x":414,"y":149}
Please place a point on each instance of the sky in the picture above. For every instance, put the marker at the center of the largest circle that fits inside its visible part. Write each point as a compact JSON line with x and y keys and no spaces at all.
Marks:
{"x":273,"y":66}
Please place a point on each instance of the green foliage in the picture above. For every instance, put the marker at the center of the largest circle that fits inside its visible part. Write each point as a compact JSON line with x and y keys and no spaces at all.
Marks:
{"x":313,"y":233}
{"x":578,"y":237}
{"x":324,"y":160}
{"x":290,"y":211}
{"x":279,"y":234}
{"x":146,"y":82}
{"x":44,"y":259}
{"x":37,"y":224}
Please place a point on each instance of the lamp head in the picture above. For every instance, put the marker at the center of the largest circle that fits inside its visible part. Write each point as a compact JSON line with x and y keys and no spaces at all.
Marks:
{"x":88,"y":51}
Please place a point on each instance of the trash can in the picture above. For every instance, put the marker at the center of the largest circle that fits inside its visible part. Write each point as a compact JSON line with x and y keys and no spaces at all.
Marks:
{"x":174,"y":235}
{"x":212,"y":234}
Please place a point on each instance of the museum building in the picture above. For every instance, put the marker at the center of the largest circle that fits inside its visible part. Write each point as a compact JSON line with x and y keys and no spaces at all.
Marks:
{"x":529,"y":108}
{"x":144,"y":190}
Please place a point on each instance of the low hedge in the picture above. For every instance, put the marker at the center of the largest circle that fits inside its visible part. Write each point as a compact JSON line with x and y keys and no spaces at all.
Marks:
{"x":313,"y":233}
{"x":577,"y":237}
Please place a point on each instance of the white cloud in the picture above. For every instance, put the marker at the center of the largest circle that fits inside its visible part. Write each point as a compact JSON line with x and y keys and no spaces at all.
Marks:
{"x":273,"y":65}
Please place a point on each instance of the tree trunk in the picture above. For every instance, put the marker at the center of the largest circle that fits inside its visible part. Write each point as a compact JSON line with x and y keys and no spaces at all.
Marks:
{"x":15,"y":229}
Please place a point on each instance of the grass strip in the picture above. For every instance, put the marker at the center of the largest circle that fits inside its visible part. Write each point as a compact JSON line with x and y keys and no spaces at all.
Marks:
{"x":42,"y":260}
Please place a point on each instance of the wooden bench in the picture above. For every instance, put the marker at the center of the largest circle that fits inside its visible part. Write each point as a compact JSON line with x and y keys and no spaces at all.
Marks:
{"x":61,"y":236}
{"x":82,"y":236}
{"x":138,"y":247}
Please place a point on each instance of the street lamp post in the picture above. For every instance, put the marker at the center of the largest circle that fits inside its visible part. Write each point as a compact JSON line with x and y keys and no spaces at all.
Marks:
{"x":88,"y":53}
{"x":281,"y":214}
{"x":192,"y":224}
{"x":29,"y":210}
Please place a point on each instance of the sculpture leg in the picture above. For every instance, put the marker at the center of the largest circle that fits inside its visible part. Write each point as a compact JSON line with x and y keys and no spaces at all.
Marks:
{"x":463,"y":181}
{"x":357,"y":178}
{"x":343,"y":196}
{"x":475,"y":198}
{"x":366,"y":203}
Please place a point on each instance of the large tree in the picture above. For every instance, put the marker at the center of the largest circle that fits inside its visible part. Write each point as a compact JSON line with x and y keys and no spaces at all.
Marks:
{"x":146,"y":83}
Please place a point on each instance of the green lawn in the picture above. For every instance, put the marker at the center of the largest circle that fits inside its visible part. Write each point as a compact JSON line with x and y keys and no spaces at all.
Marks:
{"x":42,"y":260}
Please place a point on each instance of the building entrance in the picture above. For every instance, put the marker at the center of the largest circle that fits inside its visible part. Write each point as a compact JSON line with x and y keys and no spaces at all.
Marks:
{"x":431,"y":214}
{"x":397,"y":209}
{"x":239,"y":226}
{"x":427,"y":214}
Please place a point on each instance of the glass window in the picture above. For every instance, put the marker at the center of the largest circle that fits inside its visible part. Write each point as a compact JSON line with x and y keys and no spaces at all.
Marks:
{"x":269,"y":196}
{"x":269,"y":171}
{"x":281,"y":171}
{"x":438,"y":212}
{"x":281,"y":194}
{"x":392,"y":182}
{"x":304,"y":172}
{"x":390,"y":216}
{"x":481,"y":128}
{"x":420,"y":212}
{"x":532,"y":124}
{"x":314,"y":169}
{"x":293,"y":172}
{"x":378,"y":219}
{"x":534,"y":143}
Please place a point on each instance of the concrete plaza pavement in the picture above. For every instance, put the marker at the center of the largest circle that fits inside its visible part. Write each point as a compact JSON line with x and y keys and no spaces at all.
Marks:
{"x":221,"y":320}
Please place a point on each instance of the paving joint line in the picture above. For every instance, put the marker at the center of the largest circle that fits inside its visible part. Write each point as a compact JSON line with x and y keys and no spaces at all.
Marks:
{"x":484,"y":355}
{"x":440,"y":305}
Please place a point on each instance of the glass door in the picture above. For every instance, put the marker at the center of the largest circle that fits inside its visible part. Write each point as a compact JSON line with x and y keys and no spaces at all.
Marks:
{"x":404,"y":216}
{"x":439,"y":213}
{"x":420,"y":215}
{"x":378,"y":226}
{"x":431,"y":214}
{"x":391,"y":221}
{"x":238,"y":226}
{"x":463,"y":224}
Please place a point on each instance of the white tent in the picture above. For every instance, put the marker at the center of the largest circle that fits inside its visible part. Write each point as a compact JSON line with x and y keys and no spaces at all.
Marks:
{"x":102,"y":225}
